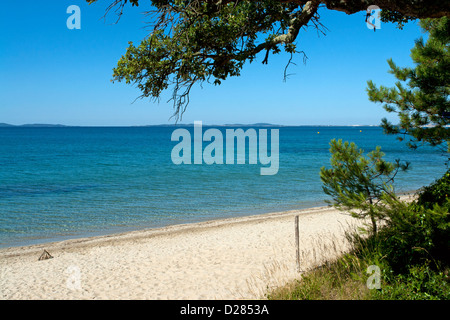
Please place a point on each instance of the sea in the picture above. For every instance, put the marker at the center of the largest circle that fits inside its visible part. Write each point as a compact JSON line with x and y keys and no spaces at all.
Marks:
{"x":59,"y":183}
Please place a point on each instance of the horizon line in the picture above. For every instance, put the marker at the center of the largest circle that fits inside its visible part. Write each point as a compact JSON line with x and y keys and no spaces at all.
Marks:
{"x":47,"y":125}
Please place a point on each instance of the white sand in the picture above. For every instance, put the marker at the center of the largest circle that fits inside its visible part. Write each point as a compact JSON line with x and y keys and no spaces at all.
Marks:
{"x":235,"y":258}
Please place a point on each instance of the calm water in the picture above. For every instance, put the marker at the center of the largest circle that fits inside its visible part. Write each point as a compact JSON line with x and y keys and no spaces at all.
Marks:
{"x":58,"y":183}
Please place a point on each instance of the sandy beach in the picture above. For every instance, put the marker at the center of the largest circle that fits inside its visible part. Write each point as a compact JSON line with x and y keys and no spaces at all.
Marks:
{"x":237,"y":258}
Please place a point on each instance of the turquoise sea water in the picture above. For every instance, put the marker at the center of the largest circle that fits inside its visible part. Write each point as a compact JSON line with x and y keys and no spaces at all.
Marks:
{"x":66,"y":182}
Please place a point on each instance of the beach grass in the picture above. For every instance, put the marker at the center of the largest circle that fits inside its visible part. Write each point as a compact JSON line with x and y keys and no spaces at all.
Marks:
{"x":341,"y":277}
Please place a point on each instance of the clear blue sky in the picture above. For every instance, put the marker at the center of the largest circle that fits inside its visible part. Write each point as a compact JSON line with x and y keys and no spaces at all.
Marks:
{"x":50,"y":74}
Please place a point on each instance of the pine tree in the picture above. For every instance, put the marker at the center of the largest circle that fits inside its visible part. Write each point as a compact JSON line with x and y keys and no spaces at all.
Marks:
{"x":421,"y":95}
{"x":360,"y":184}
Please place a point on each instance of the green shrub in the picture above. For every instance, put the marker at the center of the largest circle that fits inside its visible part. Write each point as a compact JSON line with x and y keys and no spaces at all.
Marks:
{"x":416,"y":235}
{"x":420,"y":283}
{"x":436,"y":193}
{"x":408,"y":271}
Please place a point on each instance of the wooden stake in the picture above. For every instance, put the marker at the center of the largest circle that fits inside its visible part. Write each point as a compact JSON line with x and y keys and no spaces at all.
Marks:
{"x":297,"y":244}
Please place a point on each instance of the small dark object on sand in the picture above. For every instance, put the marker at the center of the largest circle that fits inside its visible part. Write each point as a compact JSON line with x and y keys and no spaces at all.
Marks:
{"x":45,"y":255}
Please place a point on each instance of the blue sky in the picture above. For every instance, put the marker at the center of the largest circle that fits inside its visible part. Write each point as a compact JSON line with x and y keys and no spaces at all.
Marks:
{"x":50,"y":74}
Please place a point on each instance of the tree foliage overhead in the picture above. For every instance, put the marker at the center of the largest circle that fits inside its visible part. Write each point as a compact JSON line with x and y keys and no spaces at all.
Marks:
{"x":421,"y":95}
{"x":194,"y":41}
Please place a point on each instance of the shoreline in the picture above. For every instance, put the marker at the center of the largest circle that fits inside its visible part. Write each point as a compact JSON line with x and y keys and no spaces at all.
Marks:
{"x":116,"y":230}
{"x":113,"y":231}
{"x":136,"y":234}
{"x":233,"y":258}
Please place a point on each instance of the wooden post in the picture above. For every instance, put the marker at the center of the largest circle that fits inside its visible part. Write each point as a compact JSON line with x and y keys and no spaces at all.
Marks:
{"x":297,"y":244}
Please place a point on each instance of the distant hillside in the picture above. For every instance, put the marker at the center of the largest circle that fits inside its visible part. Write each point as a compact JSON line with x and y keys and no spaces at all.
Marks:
{"x":260,"y":124}
{"x":42,"y":125}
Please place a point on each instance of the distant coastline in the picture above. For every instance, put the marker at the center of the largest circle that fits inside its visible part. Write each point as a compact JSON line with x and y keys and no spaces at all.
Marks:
{"x":36,"y":125}
{"x":45,"y":125}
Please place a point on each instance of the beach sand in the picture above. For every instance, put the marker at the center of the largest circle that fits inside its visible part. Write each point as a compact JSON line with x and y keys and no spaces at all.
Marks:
{"x":237,"y":258}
